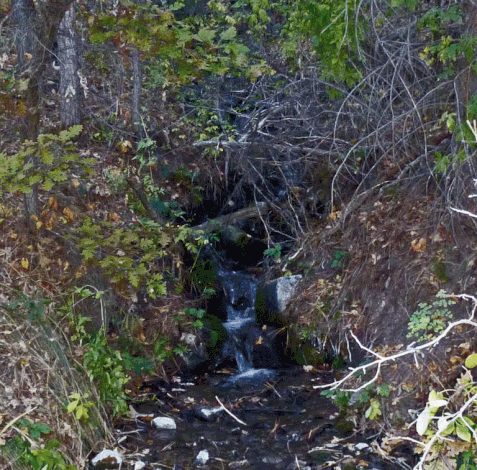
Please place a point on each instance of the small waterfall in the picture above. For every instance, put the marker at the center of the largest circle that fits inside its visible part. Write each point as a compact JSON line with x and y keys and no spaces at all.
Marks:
{"x":243,"y":332}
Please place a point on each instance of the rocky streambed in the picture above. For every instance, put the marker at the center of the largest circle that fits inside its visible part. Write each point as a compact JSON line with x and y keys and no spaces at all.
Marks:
{"x":263,"y":422}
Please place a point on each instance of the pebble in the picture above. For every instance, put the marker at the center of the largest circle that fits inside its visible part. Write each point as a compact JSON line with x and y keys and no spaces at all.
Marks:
{"x":209,"y":413}
{"x":107,"y":459}
{"x":202,"y":457}
{"x":272,"y":460}
{"x":164,"y":423}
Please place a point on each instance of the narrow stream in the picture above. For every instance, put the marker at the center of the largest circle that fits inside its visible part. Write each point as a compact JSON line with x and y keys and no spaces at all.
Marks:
{"x":247,"y":417}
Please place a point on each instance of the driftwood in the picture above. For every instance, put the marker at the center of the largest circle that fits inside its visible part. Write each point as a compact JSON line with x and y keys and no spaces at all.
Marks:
{"x":226,"y":224}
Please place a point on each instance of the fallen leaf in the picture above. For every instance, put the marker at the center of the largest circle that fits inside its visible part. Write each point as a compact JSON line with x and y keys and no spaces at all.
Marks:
{"x":419,"y":245}
{"x":68,"y":213}
{"x":25,"y":263}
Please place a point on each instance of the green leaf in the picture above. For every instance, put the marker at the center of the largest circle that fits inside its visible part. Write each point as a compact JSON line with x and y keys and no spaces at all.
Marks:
{"x":228,"y":34}
{"x":72,"y":406}
{"x":205,"y":35}
{"x":463,"y":432}
{"x":471,"y":361}
{"x":374,"y":411}
{"x":48,"y":184}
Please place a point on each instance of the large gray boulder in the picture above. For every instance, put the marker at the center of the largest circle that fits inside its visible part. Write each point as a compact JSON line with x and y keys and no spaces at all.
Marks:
{"x":273,"y":298}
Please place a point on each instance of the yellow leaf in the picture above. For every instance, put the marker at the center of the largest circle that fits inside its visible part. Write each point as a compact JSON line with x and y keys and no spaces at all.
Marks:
{"x":471,"y":361}
{"x":52,"y":202}
{"x":125,"y":146}
{"x":419,"y":245}
{"x":76,"y":182}
{"x":14,"y":236}
{"x":25,"y":263}
{"x":68,"y":213}
{"x":39,"y":225}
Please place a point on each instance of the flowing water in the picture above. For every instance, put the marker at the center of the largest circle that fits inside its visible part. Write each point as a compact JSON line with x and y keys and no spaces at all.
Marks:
{"x":244,"y":334}
{"x":248,"y":416}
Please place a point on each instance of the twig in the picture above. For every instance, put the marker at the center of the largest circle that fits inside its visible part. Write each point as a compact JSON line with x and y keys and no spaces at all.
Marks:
{"x":229,"y":412}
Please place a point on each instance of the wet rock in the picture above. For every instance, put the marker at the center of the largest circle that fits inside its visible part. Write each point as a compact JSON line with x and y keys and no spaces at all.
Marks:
{"x":298,"y":465}
{"x":273,"y":298}
{"x":107,"y":459}
{"x":362,"y":446}
{"x":272,"y":460}
{"x":209,"y":413}
{"x":164,"y":423}
{"x":238,"y":464}
{"x":202,"y":457}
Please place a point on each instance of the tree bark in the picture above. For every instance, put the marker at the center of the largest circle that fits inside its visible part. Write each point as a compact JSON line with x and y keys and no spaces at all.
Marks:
{"x":226,"y":224}
{"x":69,"y":57}
{"x":136,"y":95}
{"x":35,"y":27}
{"x":467,"y":80}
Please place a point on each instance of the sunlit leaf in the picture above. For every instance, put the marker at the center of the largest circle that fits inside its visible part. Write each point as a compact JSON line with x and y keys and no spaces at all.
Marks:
{"x":471,"y":361}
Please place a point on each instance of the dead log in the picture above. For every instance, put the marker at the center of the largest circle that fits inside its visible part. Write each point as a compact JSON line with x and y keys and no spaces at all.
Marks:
{"x":226,"y":225}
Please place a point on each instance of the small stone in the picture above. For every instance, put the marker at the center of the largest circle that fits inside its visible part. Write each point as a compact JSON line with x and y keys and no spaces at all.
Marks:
{"x":202,"y":457}
{"x":139,"y":465}
{"x":238,"y":464}
{"x":298,"y":465}
{"x":361,"y":446}
{"x":209,"y":413}
{"x":272,"y":460}
{"x":164,"y":423}
{"x":107,"y":459}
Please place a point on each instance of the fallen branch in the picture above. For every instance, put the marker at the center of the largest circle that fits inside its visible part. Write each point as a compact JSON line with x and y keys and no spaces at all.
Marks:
{"x":229,"y":412}
{"x":412,"y":350}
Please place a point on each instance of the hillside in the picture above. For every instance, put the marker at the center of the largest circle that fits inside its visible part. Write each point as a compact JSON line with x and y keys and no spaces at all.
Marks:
{"x":144,"y":146}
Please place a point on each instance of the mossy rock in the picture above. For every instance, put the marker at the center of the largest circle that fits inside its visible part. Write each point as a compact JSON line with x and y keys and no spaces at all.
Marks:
{"x":306,"y":354}
{"x":215,"y":336}
{"x":204,"y":274}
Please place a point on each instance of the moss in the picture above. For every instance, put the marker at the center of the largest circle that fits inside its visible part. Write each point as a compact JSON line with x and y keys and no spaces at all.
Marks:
{"x":439,"y":270}
{"x":204,"y":275}
{"x":263,"y":314}
{"x":216,"y":335}
{"x":306,"y":354}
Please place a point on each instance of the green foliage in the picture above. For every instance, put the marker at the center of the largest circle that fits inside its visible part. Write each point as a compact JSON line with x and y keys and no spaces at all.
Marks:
{"x":80,"y":406}
{"x":340,"y":398}
{"x":197,"y":315}
{"x":56,"y":156}
{"x":374,"y":411}
{"x":438,"y":19}
{"x":452,"y":429}
{"x":20,"y":449}
{"x":106,"y":368}
{"x":164,"y":351}
{"x":430,"y":320}
{"x":274,"y":253}
{"x":137,"y":256}
{"x":186,"y":49}
{"x":467,"y":460}
{"x":339,"y":259}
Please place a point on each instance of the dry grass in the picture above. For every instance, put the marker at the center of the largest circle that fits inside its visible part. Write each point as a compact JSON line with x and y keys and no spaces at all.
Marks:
{"x":38,"y":374}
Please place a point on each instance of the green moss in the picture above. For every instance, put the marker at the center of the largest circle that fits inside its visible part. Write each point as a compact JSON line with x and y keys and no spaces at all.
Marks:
{"x":204,"y":275}
{"x":439,"y":270}
{"x":217,"y":335}
{"x":306,"y":354}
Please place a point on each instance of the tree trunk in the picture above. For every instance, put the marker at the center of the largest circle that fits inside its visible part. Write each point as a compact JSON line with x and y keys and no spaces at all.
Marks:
{"x":136,"y":96}
{"x":35,"y":30}
{"x":467,"y":80}
{"x":69,"y":56}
